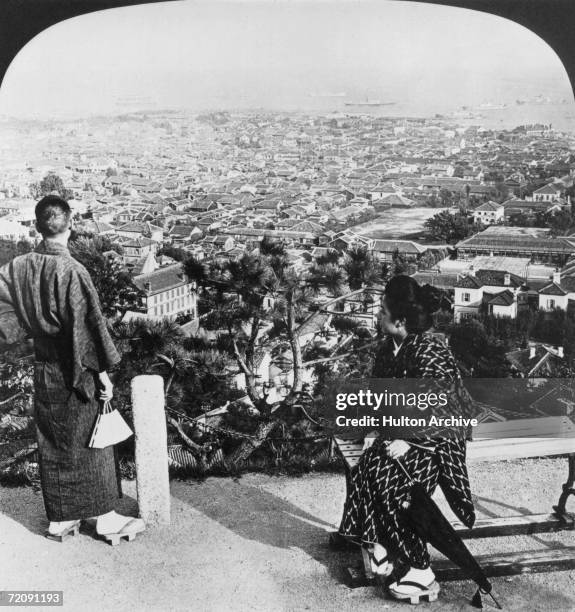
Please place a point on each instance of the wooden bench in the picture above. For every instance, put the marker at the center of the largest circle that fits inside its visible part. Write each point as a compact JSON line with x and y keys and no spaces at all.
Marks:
{"x":517,"y":439}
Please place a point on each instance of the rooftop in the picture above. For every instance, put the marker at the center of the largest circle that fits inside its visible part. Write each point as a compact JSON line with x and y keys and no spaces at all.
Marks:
{"x":517,"y":241}
{"x":489,"y":207}
{"x":161,"y":280}
{"x":403,"y":246}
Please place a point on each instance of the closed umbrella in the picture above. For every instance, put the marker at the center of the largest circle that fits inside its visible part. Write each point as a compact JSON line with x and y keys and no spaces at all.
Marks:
{"x":430,"y":525}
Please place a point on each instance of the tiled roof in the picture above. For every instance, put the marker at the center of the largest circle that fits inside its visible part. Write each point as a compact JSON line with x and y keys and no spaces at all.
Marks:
{"x":219,"y":239}
{"x":403,"y":246}
{"x":161,"y":280}
{"x":567,"y":283}
{"x":468,"y":282}
{"x":307,"y":226}
{"x":518,"y":243}
{"x":286,"y":223}
{"x":195,"y":205}
{"x":505,"y":298}
{"x":181,"y":230}
{"x":521,"y":360}
{"x":535,"y":284}
{"x":249,"y":231}
{"x":552,"y":289}
{"x":442,"y":281}
{"x":397,"y":200}
{"x":139,"y":227}
{"x":488,"y":206}
{"x":496,"y":278}
{"x":139,"y":242}
{"x":519,"y":204}
{"x":548,"y":190}
{"x":97,"y":227}
{"x":558,"y":401}
{"x":138,"y":181}
{"x":544,"y":356}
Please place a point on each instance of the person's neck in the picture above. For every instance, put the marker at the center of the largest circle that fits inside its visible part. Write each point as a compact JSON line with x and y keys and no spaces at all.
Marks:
{"x":399,"y":337}
{"x":61,"y":239}
{"x":397,"y":340}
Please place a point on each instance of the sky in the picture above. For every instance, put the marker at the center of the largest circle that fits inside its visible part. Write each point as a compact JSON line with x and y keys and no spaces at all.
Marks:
{"x":205,"y":55}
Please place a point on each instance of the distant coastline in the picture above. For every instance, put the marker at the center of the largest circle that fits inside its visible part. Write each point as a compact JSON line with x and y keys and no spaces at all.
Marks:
{"x":560,"y":115}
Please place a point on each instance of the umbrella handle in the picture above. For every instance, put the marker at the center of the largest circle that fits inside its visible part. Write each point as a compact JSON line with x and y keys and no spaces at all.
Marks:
{"x":495,"y":600}
{"x":400,"y":464}
{"x":430,"y":449}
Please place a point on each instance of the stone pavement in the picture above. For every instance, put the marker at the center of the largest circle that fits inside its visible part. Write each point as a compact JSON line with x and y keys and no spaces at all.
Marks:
{"x":260,"y":543}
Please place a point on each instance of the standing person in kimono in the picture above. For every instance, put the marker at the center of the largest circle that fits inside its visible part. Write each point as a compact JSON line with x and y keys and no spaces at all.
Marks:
{"x":373,"y":508}
{"x":49,"y":296}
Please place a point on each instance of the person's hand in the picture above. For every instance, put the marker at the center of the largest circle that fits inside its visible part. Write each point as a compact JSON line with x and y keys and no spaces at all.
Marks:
{"x":106,"y":390}
{"x":368,"y":443}
{"x":397,"y":448}
{"x":369,"y":439}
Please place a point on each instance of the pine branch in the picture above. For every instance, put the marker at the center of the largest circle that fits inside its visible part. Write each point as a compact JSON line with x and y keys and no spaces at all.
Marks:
{"x":243,"y":366}
{"x":248,"y":373}
{"x":9,"y":399}
{"x":197,"y":449}
{"x":19,"y":456}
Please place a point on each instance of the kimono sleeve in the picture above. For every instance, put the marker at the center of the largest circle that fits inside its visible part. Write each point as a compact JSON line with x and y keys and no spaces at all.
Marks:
{"x":91,"y":344}
{"x":436,"y":362}
{"x":11,"y":330}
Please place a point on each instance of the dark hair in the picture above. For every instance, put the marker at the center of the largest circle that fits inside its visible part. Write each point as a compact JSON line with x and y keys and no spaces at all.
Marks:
{"x":406,"y":299}
{"x":52,"y":215}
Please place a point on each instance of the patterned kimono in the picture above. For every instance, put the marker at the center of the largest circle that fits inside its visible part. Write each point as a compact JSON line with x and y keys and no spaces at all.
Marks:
{"x":378,"y":488}
{"x":48,"y":296}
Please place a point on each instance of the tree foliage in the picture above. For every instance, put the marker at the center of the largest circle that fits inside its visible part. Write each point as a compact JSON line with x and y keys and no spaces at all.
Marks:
{"x":480,"y":344}
{"x":361,"y":267}
{"x":50,"y":184}
{"x":559,"y":222}
{"x":258,"y":304}
{"x":480,"y":354}
{"x":114,"y":285}
{"x":448,"y":227}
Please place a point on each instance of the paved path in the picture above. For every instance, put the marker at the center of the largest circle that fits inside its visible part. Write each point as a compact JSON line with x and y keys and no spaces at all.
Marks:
{"x":259,"y":543}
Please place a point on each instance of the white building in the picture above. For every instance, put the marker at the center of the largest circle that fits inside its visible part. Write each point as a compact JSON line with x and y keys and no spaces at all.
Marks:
{"x":547,"y":193}
{"x":167,"y":293}
{"x":489,"y":213}
{"x":557,"y":293}
{"x":499,"y":293}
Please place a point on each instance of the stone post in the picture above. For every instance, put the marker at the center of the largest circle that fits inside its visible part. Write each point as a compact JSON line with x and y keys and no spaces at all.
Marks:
{"x":151,"y":449}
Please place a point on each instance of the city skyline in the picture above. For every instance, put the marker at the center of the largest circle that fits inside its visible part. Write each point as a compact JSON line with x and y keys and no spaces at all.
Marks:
{"x":280,"y":56}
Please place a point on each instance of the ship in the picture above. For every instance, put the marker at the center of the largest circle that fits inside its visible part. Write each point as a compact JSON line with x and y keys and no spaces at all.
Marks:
{"x":369,"y":103}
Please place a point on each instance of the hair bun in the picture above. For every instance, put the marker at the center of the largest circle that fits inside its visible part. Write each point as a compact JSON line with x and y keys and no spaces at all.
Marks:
{"x":429,"y":298}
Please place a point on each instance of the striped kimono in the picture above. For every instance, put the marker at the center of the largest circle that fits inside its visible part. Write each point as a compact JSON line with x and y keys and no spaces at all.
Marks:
{"x":379,"y":488}
{"x":48,"y":296}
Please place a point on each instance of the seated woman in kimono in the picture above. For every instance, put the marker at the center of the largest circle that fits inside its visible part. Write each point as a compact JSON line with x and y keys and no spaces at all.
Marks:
{"x":373,"y":508}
